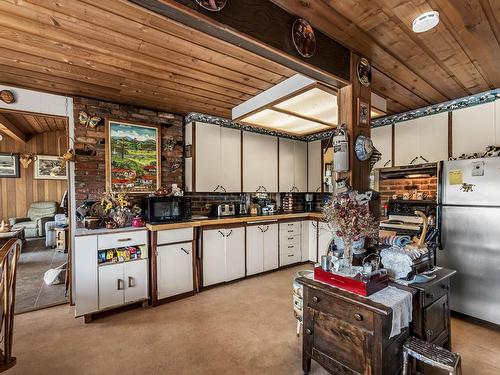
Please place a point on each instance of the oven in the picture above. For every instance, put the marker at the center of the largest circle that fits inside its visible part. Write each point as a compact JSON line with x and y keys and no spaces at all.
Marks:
{"x":164,"y":209}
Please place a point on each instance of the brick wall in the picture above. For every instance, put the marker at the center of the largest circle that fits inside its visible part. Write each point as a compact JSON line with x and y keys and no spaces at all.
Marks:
{"x":201,"y":202}
{"x":90,"y":169}
{"x":388,"y":188}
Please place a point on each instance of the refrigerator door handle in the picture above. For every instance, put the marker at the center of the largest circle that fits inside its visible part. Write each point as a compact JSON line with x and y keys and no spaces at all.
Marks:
{"x":439,"y":209}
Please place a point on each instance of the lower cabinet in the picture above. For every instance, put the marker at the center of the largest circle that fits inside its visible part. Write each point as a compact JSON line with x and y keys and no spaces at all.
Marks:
{"x":310,"y":241}
{"x":290,"y":243}
{"x":325,"y":236}
{"x":223,"y":255}
{"x":174,"y":269}
{"x":123,"y":283}
{"x":262,"y":248}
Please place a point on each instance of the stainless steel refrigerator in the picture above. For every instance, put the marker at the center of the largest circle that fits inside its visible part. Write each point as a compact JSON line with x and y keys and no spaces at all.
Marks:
{"x":470,"y":234}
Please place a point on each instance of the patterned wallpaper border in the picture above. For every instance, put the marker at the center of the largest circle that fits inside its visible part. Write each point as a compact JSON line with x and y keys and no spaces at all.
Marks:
{"x":451,"y":105}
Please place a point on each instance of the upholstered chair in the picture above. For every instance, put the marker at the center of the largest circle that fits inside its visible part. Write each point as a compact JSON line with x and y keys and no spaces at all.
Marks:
{"x":34,"y":224}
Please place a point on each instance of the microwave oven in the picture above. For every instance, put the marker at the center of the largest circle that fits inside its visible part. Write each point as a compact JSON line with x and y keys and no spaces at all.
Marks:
{"x":164,"y":209}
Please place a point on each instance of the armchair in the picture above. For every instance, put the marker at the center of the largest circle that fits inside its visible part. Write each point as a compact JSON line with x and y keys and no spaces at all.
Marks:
{"x":38,"y":214}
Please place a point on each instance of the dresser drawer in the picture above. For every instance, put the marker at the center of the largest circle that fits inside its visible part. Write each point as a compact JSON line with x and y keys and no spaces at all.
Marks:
{"x":347,"y":312}
{"x":174,"y":235}
{"x":436,"y":291}
{"x":290,"y":228}
{"x":112,"y":240}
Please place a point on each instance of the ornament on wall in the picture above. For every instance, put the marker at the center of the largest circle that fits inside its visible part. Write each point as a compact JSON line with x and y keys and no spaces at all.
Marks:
{"x":363,"y":148}
{"x":88,"y":121}
{"x":363,"y":113}
{"x":212,"y":5}
{"x":364,"y":71}
{"x":303,"y":38}
{"x":169,"y":145}
{"x":7,"y":96}
{"x":68,"y":155}
{"x":26,"y":159}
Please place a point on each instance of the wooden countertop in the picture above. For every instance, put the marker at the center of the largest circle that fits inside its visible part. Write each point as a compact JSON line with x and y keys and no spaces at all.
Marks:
{"x":234,"y":220}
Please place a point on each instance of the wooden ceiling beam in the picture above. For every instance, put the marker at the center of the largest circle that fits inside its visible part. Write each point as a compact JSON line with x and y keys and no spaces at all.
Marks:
{"x":12,"y":130}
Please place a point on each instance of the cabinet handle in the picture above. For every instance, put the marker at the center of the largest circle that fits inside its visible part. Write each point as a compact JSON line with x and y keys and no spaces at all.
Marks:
{"x":291,"y":247}
{"x":119,"y":284}
{"x":290,"y":255}
{"x":318,"y":189}
{"x":131,"y":283}
{"x":446,"y":287}
{"x":388,"y":162}
{"x":265,"y":230}
{"x":222,"y":234}
{"x":258,"y":189}
{"x":187,"y":252}
{"x":223,"y":188}
{"x":309,"y":331}
{"x":429,"y":332}
{"x":414,"y":160}
{"x":217,"y":188}
{"x":358,"y":317}
{"x":124,"y":239}
{"x":424,"y":159}
{"x":265,"y":190}
{"x":290,"y":238}
{"x":230,"y":232}
{"x":315,"y":299}
{"x":429,"y":296}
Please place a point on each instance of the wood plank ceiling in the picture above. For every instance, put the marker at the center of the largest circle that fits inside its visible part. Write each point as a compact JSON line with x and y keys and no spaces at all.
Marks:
{"x":116,"y":51}
{"x":461,"y":56}
{"x":30,"y":124}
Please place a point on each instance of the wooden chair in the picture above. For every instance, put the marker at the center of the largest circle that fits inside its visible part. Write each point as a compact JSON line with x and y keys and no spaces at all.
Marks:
{"x":432,"y":355}
{"x":9,"y":255}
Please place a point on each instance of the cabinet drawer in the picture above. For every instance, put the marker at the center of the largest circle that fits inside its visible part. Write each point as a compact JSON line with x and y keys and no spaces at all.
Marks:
{"x":290,"y":239}
{"x":286,"y":248}
{"x":435,"y":292}
{"x":341,"y":310}
{"x":112,"y":240}
{"x":290,"y":228}
{"x":291,"y":256}
{"x":174,"y":235}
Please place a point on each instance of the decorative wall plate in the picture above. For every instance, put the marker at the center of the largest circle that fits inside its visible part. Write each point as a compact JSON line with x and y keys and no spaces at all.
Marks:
{"x":364,"y":72}
{"x":303,"y":38}
{"x":7,"y":96}
{"x":363,"y":148}
{"x":212,"y":5}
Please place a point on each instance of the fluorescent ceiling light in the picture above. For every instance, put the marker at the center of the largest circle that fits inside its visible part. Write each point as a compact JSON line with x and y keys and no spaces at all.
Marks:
{"x":374,"y":113}
{"x":425,"y":22}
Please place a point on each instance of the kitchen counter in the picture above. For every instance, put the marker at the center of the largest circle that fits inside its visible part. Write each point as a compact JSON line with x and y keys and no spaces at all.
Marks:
{"x":92,"y":232}
{"x":233,"y":220}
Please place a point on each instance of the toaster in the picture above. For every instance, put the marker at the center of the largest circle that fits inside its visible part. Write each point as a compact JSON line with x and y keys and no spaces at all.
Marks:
{"x":223,"y":210}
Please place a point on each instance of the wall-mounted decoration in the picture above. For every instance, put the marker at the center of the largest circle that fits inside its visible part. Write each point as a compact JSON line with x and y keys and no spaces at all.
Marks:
{"x":26,"y":159}
{"x":9,"y":165}
{"x":7,"y":96}
{"x":169,"y":145}
{"x":48,"y":167}
{"x":363,"y":148}
{"x":88,"y":121}
{"x":132,"y":157}
{"x":363,"y":113}
{"x":303,"y":38}
{"x":212,"y":5}
{"x":364,"y":71}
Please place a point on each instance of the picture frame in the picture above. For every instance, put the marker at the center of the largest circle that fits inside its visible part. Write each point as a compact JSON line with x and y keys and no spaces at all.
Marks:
{"x":49,"y":167}
{"x":363,"y":113}
{"x":9,"y":165}
{"x":133,"y":157}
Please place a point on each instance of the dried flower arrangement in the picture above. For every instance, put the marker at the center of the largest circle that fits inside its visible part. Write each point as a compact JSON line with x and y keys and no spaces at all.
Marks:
{"x":117,"y":206}
{"x":348,"y":214}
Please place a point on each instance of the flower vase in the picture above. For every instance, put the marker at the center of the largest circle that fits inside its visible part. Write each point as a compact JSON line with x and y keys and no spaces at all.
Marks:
{"x":120,"y":217}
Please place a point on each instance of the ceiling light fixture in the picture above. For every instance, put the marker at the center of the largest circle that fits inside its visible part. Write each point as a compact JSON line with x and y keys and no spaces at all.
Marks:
{"x":425,"y":22}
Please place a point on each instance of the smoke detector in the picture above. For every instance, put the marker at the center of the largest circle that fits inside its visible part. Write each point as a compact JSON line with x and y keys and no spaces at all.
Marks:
{"x":425,"y":22}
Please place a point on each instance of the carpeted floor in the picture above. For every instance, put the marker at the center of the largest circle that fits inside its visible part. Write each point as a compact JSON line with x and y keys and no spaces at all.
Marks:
{"x":31,"y":291}
{"x":243,"y":328}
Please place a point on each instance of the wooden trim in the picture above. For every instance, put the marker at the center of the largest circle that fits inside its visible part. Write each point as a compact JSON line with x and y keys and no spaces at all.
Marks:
{"x":393,"y":147}
{"x":153,"y":273}
{"x":193,"y":156}
{"x":177,"y":297}
{"x":450,"y":134}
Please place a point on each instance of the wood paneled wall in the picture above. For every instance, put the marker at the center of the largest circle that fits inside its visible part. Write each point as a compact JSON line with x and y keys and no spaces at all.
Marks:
{"x":16,"y":194}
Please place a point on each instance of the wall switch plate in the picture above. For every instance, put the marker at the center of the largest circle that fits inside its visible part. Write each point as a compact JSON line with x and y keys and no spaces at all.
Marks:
{"x":478,"y":168}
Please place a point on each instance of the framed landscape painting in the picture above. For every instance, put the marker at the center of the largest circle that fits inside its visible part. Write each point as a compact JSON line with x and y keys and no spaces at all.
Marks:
{"x":9,"y":165}
{"x":49,"y":167}
{"x":132,"y":157}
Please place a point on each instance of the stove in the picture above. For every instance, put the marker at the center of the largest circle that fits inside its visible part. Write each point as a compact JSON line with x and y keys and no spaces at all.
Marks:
{"x":402,"y":218}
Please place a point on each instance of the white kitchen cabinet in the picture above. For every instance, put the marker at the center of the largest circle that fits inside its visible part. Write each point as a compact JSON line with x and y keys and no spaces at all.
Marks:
{"x":223,"y":255}
{"x":314,"y":179}
{"x":86,"y":275}
{"x":406,"y":143}
{"x":262,"y":248}
{"x":136,"y":280}
{"x":309,"y":240}
{"x":497,"y":123}
{"x":260,"y":163}
{"x":473,"y":129}
{"x":217,"y":158}
{"x":292,"y":165}
{"x":174,"y":265}
{"x":325,"y":236}
{"x":290,"y":243}
{"x":382,"y":140}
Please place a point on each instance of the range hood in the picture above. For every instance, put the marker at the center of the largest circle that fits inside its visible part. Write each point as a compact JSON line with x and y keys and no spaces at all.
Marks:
{"x":409,"y":171}
{"x":299,"y":105}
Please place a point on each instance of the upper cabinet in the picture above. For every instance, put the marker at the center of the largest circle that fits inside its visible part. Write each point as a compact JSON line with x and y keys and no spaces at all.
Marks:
{"x":422,"y":140}
{"x":260,"y":163}
{"x":474,"y":129}
{"x":216,"y":158}
{"x":382,"y":140}
{"x":314,"y":179}
{"x":292,"y":166}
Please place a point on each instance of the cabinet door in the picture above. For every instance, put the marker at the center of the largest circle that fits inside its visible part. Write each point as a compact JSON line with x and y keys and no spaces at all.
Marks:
{"x":271,"y":248}
{"x":136,"y":280}
{"x":174,"y":269}
{"x":473,"y":129}
{"x":207,"y":157}
{"x":111,"y":286}
{"x":255,"y":249}
{"x":235,"y":253}
{"x":436,"y":320}
{"x":382,"y":140}
{"x":286,"y":165}
{"x":406,"y":142}
{"x":325,"y":236}
{"x":433,"y":132}
{"x":230,"y":170}
{"x":214,"y":257}
{"x":309,"y":240}
{"x":314,"y":167}
{"x":300,"y":166}
{"x":86,"y":279}
{"x":260,"y":162}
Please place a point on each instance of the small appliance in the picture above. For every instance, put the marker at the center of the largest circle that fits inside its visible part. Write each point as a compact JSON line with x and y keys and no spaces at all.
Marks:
{"x":223,"y":210}
{"x":402,"y":218}
{"x":309,"y":202}
{"x":162,"y":209}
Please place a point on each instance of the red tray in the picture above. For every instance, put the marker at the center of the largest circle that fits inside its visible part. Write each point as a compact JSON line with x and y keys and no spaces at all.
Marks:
{"x":354,"y":285}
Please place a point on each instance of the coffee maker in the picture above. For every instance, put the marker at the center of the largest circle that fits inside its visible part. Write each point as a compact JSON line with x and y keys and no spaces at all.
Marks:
{"x":309,"y":206}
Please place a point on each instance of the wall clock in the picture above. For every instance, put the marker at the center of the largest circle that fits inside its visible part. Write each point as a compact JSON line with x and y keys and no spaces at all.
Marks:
{"x":213,"y":5}
{"x":303,"y":38}
{"x":364,"y":72}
